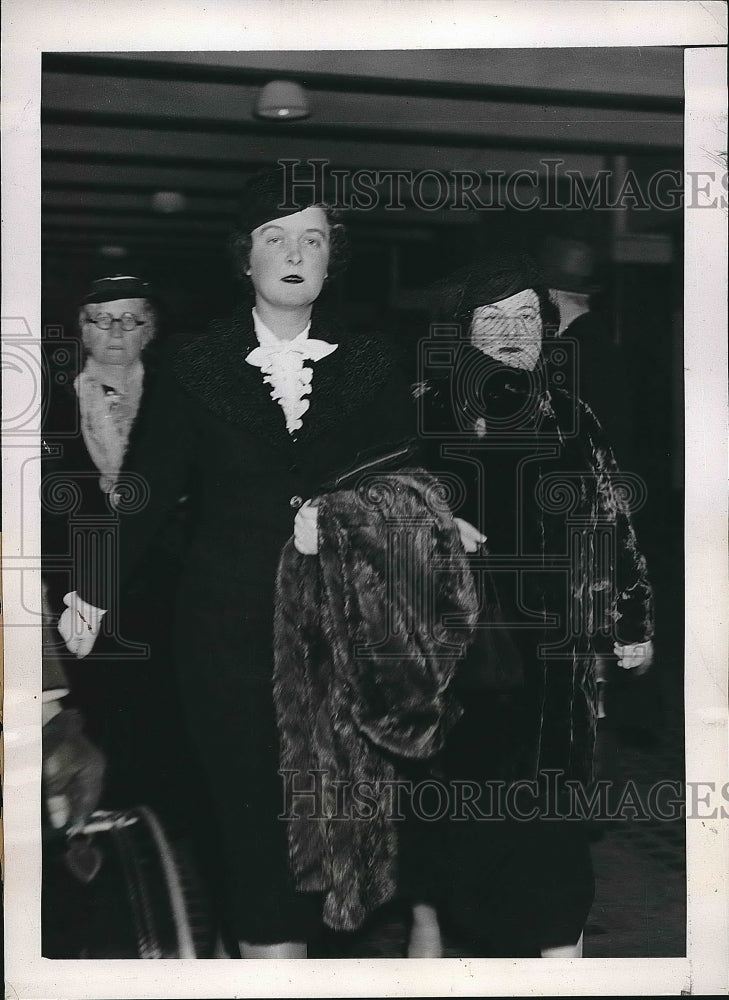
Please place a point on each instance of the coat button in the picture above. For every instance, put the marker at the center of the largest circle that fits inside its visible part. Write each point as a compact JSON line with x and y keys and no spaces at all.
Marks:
{"x":296,"y":501}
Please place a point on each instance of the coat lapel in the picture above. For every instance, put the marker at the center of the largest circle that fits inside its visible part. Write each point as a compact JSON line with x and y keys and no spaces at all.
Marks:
{"x":213,"y":369}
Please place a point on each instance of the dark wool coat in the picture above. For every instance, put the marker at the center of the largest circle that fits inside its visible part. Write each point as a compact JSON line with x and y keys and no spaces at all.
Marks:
{"x":537,"y":476}
{"x":69,"y":487}
{"x":125,"y":690}
{"x":364,"y":665}
{"x":72,"y":502}
{"x":210,"y":428}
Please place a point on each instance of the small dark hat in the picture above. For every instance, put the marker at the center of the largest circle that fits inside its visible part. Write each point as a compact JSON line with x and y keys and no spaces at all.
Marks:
{"x":117,"y":286}
{"x":268,"y":196}
{"x":499,"y":276}
{"x":489,"y":279}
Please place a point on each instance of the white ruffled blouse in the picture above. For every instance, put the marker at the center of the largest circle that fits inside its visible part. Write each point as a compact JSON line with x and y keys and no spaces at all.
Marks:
{"x":282,"y":365}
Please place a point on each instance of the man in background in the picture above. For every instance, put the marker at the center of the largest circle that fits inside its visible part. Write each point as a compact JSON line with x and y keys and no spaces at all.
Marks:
{"x":600,"y":379}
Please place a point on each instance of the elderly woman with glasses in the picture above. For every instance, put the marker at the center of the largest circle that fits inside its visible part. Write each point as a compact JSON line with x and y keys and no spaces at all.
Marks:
{"x":88,"y":419}
{"x":117,"y":322}
{"x":87,"y":426}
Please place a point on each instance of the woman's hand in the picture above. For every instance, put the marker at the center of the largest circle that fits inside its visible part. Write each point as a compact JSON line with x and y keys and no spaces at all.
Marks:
{"x":306,"y":532}
{"x":471,"y":537}
{"x":79,"y":625}
{"x":636,"y":656}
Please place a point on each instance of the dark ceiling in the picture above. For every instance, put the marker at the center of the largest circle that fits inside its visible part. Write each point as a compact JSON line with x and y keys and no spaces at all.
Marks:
{"x":118,"y":127}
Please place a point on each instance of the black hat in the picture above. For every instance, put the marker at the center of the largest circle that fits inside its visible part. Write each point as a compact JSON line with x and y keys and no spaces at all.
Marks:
{"x":117,"y":286}
{"x":489,"y":279}
{"x":498,"y":277}
{"x":268,"y":196}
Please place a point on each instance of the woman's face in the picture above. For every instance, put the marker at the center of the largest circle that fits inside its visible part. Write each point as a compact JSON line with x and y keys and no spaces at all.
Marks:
{"x":510,"y":331}
{"x":289,"y":259}
{"x":116,"y":346}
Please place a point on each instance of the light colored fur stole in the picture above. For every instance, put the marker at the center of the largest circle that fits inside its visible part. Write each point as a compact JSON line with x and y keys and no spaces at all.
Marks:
{"x":362,"y":677}
{"x":107,"y":418}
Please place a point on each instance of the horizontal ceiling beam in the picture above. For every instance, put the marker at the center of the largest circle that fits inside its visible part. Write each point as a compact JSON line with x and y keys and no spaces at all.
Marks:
{"x":131,"y":172}
{"x":122,"y":221}
{"x":112,"y":199}
{"x":181,"y":148}
{"x":581,"y":130}
{"x":104,"y":100}
{"x":598,"y":77}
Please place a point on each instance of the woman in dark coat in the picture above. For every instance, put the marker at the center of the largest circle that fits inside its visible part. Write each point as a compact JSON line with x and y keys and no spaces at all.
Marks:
{"x":124,"y":695}
{"x":253,"y":417}
{"x":539,"y":480}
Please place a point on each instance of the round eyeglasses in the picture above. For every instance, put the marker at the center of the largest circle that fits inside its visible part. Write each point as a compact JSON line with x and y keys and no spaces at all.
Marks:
{"x":127,"y":321}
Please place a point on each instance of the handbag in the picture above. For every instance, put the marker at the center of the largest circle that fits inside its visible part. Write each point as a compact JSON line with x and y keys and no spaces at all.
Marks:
{"x":371,"y":462}
{"x":118,"y":887}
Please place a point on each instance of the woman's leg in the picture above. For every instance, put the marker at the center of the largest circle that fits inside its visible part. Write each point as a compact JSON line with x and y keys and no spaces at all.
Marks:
{"x":564,"y":950}
{"x":284,"y":949}
{"x":425,"y":940}
{"x":238,"y":743}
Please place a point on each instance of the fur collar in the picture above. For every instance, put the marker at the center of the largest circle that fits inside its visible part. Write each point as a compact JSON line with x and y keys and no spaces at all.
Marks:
{"x":214,"y":370}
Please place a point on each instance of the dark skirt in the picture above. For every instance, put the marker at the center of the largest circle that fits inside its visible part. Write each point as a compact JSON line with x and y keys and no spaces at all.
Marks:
{"x":232,"y":720}
{"x":513,"y":886}
{"x":127,"y":693}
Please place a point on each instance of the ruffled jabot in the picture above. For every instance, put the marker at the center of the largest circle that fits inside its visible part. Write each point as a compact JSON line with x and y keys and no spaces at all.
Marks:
{"x":282,"y":365}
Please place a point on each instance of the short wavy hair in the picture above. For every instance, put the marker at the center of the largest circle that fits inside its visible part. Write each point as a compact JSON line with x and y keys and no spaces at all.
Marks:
{"x":241,"y":242}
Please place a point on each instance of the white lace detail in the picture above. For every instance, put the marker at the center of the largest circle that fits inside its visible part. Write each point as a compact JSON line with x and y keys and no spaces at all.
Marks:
{"x":282,"y":365}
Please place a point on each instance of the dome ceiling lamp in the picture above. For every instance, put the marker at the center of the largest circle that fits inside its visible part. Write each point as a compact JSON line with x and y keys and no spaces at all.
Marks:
{"x":282,"y":100}
{"x":169,"y":202}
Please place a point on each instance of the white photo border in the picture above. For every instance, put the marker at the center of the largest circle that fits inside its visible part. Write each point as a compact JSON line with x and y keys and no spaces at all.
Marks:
{"x":154,"y":25}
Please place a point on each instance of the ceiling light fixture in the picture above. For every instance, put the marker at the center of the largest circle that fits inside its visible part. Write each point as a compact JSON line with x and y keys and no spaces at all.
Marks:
{"x":112,"y":250}
{"x":282,"y":100}
{"x":169,"y":202}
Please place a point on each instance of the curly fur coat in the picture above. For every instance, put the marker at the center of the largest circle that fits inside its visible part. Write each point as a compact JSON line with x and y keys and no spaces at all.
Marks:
{"x":539,"y":478}
{"x":368,"y":639}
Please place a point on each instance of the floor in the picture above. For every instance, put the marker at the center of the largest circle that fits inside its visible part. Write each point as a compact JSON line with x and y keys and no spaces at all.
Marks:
{"x":640,"y":902}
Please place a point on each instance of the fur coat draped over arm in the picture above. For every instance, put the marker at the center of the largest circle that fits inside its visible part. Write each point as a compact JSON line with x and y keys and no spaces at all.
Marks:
{"x":368,"y":636}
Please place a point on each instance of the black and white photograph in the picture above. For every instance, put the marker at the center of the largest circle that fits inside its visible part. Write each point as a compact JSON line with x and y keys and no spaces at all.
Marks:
{"x":364,"y":500}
